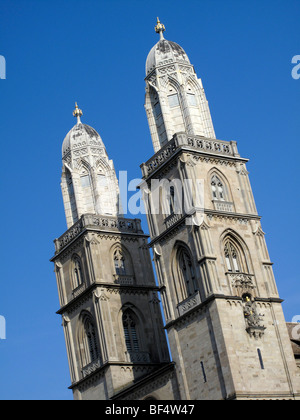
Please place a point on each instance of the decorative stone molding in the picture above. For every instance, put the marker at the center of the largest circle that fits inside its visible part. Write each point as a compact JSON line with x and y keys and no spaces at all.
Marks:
{"x":189,"y":303}
{"x":91,"y":367}
{"x":124,"y":280}
{"x":230,"y":218}
{"x":172,"y":219}
{"x":76,"y":292}
{"x":114,"y":224}
{"x":223,"y":206}
{"x":143,"y":389}
{"x":253,"y":319}
{"x":242,"y":283}
{"x":137,"y":357}
{"x":197,"y":143}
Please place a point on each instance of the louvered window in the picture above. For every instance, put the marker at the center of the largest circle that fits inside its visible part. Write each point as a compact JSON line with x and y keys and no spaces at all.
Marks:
{"x":92,"y":341}
{"x":131,"y":338}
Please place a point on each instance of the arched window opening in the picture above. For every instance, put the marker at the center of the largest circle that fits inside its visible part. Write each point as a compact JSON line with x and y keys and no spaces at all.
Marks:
{"x":92,"y":342}
{"x":78,"y":278}
{"x":119,"y":261}
{"x":232,"y":258}
{"x":130,"y":331}
{"x":237,"y":258}
{"x":218,"y":189}
{"x":187,"y":272}
{"x":88,"y":342}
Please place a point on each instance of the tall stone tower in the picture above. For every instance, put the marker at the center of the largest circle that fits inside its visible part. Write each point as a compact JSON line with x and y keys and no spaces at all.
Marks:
{"x":227,"y":333}
{"x":108,"y":296}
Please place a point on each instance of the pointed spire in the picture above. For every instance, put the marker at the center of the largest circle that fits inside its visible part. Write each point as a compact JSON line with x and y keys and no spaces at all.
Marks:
{"x":160,"y":29}
{"x":77,"y":113}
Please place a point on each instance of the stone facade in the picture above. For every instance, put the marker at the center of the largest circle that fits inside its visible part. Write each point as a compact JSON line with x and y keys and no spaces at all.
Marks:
{"x":223,"y":315}
{"x":108,"y":296}
{"x":226,"y":329}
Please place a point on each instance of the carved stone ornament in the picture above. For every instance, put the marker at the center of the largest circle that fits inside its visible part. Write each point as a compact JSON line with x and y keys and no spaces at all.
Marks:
{"x":253,"y":319}
{"x":242,"y":283}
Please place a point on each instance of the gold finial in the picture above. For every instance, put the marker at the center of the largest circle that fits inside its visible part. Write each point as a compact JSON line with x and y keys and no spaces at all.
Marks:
{"x":160,"y":28}
{"x":77,"y":113}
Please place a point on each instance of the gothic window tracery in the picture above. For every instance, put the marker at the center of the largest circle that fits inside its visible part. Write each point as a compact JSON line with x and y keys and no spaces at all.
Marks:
{"x":231,"y":257}
{"x":235,"y":256}
{"x":119,"y":261}
{"x":218,"y":189}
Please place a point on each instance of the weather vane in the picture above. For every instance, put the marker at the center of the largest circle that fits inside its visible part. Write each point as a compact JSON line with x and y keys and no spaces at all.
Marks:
{"x":160,"y":28}
{"x":77,"y":113}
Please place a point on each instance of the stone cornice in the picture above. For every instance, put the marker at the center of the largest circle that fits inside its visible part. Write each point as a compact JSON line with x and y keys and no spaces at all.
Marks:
{"x":204,"y":304}
{"x":108,"y":225}
{"x":110,"y":287}
{"x":180,"y":223}
{"x":182,"y":142}
{"x":146,"y":385}
{"x":92,"y":377}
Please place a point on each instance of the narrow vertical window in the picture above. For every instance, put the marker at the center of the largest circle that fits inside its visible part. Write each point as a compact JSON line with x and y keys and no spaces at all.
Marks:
{"x":77,"y":273}
{"x":217,"y":187}
{"x":203,"y":372}
{"x":172,"y":200}
{"x":231,"y":258}
{"x":157,"y":109}
{"x":188,"y":272}
{"x":260,"y":359}
{"x":130,"y":331}
{"x":92,"y":342}
{"x":119,"y":261}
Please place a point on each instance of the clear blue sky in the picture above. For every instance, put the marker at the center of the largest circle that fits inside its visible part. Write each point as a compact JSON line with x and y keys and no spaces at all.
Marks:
{"x":94,"y":52}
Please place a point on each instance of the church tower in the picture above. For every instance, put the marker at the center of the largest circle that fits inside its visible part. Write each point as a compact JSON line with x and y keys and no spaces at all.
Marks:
{"x":224,"y":319}
{"x":108,"y":296}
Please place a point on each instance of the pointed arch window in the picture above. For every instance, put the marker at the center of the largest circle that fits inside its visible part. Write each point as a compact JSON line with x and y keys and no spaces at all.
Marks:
{"x":91,"y":341}
{"x":130,"y":331}
{"x":218,"y":189}
{"x":88,"y":342}
{"x":119,"y":261}
{"x":232,"y":258}
{"x":187,"y":272}
{"x":78,"y":278}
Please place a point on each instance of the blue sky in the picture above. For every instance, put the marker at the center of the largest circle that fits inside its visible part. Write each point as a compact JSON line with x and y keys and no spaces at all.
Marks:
{"x":94,"y":52}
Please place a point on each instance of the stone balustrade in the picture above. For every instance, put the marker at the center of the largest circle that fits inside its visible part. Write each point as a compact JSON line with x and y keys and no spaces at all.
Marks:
{"x":197,"y":143}
{"x":109,"y":223}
